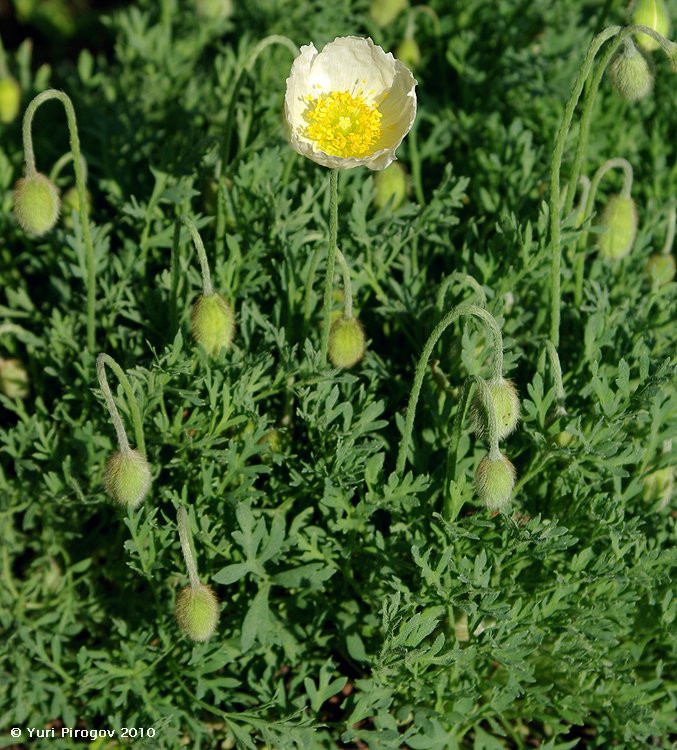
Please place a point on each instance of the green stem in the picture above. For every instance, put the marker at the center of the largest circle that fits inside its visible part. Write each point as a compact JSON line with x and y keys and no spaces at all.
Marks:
{"x":579,"y":254}
{"x":347,"y":286}
{"x":244,"y":70}
{"x":331,"y":260}
{"x":557,"y":376}
{"x":186,"y":548}
{"x":434,"y":337}
{"x":416,"y":164}
{"x":80,"y":183}
{"x":449,"y":280}
{"x":555,"y":168}
{"x":308,"y":293}
{"x":101,"y":361}
{"x":61,"y":162}
{"x":207,"y":288}
{"x":174,"y":281}
{"x":452,"y":509}
{"x":670,"y":235}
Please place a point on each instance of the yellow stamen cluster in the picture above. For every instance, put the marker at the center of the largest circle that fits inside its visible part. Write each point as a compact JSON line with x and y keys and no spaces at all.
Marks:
{"x":342,"y":124}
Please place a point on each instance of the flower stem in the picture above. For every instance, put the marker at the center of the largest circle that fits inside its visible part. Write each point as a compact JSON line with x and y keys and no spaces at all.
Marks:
{"x":174,"y":281}
{"x":555,"y":168}
{"x":557,"y":377}
{"x":434,"y":337}
{"x":331,"y":261}
{"x":101,"y":361}
{"x":80,"y":183}
{"x":578,"y":254}
{"x":207,"y":288}
{"x":186,"y":547}
{"x":347,"y":286}
{"x":451,"y":508}
{"x":459,"y":276}
{"x":670,"y":235}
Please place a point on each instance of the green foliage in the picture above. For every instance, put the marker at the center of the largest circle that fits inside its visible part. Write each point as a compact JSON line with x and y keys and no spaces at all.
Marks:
{"x":354,"y":607}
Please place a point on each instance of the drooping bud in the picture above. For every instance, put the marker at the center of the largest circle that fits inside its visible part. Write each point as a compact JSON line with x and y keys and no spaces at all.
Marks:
{"x":10,"y":99}
{"x":197,"y":612}
{"x":391,"y":186}
{"x":619,"y":222}
{"x":384,"y":12}
{"x":506,"y":406}
{"x":630,"y":74}
{"x":13,"y":378}
{"x":127,"y":478}
{"x":71,"y":204}
{"x":661,"y":268}
{"x":654,"y":14}
{"x":409,"y":53}
{"x":213,"y":323}
{"x":214,"y":10}
{"x":346,"y":342}
{"x":495,"y":481}
{"x":36,"y":204}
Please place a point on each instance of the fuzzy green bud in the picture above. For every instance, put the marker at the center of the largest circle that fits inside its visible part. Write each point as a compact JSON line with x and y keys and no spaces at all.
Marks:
{"x":630,"y":74}
{"x":506,"y":405}
{"x":214,"y":10}
{"x":619,"y":222}
{"x":654,"y":14}
{"x":346,"y":342}
{"x":495,"y":481}
{"x":36,"y":204}
{"x":409,"y":53}
{"x":213,"y":323}
{"x":390,"y":186}
{"x":659,"y":484}
{"x":127,"y":478}
{"x":384,"y":12}
{"x":71,"y":204}
{"x":661,"y":267}
{"x":197,"y":612}
{"x":13,"y":379}
{"x":10,"y":99}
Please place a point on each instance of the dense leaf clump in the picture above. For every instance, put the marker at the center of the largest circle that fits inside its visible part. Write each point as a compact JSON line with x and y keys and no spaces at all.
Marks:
{"x":358,"y":606}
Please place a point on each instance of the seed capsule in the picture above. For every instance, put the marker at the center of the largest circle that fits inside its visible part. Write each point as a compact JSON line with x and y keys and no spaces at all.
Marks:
{"x":495,"y":481}
{"x":654,"y":14}
{"x":506,"y":406}
{"x":197,"y":612}
{"x":213,"y":323}
{"x":630,"y":74}
{"x":10,"y":99}
{"x":346,"y":342}
{"x":36,"y":204}
{"x":127,"y":478}
{"x":619,"y":220}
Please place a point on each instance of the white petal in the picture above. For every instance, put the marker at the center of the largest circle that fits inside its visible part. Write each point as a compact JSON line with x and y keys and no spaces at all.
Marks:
{"x":298,"y":87}
{"x":353,"y":64}
{"x":398,"y":108}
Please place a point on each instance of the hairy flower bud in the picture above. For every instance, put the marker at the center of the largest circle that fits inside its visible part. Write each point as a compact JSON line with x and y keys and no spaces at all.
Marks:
{"x":661,"y":267}
{"x":495,"y":481}
{"x":506,"y":406}
{"x":390,"y":186}
{"x":197,"y":612}
{"x":213,"y":323}
{"x":409,"y":52}
{"x":346,"y":342}
{"x":13,"y":379}
{"x":36,"y":204}
{"x":10,"y":99}
{"x":384,"y":12}
{"x":654,"y":14}
{"x":127,"y":478}
{"x":630,"y":74}
{"x":619,"y":222}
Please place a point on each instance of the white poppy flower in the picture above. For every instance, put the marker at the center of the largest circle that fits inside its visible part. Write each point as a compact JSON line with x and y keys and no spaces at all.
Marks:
{"x":349,"y":105}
